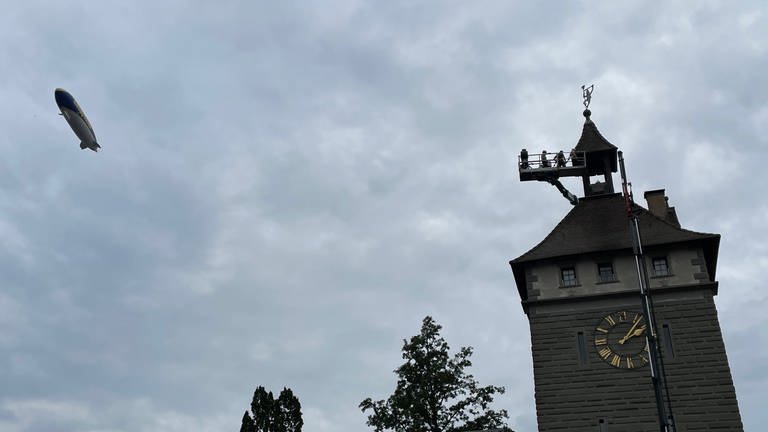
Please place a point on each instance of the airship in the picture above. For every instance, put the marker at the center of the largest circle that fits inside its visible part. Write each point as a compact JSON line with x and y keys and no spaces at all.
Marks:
{"x":76,"y":119}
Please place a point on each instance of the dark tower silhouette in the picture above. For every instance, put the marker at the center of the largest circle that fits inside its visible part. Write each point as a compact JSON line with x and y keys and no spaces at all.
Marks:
{"x":589,"y":330}
{"x":600,"y":158}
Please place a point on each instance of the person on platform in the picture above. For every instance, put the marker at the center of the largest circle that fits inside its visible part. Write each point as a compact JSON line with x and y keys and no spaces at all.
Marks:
{"x":560,"y":158}
{"x":524,"y":159}
{"x":575,"y":160}
{"x":544,"y":160}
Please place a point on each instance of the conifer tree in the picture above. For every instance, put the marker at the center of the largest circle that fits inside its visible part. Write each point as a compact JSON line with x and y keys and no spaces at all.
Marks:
{"x":273,"y":415}
{"x":289,"y":412}
{"x":263,"y":410}
{"x":247,"y":425}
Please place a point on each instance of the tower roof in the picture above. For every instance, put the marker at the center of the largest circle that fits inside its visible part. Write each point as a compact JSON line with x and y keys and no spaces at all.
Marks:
{"x":600,"y":224}
{"x":591,"y":140}
{"x":597,"y":150}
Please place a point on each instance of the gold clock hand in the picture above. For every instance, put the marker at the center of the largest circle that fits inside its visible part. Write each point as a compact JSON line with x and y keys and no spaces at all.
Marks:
{"x":637,"y":332}
{"x":627,"y":336}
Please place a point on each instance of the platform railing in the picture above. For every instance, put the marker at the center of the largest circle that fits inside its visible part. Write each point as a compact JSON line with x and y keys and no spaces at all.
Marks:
{"x":550,"y":160}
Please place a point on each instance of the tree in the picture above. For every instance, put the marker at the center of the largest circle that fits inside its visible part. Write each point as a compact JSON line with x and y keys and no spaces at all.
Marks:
{"x":247,"y":425}
{"x":263,"y":410}
{"x":434,"y":393}
{"x":273,"y":415}
{"x":288,"y":412}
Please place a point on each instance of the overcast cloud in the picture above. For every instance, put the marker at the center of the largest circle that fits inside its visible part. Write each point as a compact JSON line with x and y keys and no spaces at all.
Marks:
{"x":286,"y":190}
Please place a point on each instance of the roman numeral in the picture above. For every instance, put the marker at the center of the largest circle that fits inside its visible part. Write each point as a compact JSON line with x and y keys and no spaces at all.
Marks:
{"x":610,"y":320}
{"x":601,"y":341}
{"x":616,"y":360}
{"x":630,"y":364}
{"x":604,"y":353}
{"x":601,"y":330}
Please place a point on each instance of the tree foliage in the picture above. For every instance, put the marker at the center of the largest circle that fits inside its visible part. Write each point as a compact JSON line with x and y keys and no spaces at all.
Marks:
{"x":434,"y":393}
{"x":247,"y":425}
{"x":273,"y":415}
{"x":288,"y":412}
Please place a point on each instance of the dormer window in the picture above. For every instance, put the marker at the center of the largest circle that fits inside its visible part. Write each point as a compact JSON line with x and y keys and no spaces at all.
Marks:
{"x":605,"y":272}
{"x":660,"y":266}
{"x":568,"y":277}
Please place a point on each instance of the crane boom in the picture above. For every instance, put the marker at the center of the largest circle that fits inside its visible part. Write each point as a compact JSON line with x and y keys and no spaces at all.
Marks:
{"x":658,"y":377}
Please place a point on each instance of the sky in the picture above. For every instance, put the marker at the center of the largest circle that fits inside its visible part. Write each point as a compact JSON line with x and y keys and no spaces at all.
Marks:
{"x":286,"y":189}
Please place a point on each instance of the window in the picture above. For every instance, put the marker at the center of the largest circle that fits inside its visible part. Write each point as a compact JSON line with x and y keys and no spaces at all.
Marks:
{"x":582,"y":347}
{"x":660,"y":267}
{"x":605,"y":272}
{"x":568,"y":276}
{"x":667,"y":339}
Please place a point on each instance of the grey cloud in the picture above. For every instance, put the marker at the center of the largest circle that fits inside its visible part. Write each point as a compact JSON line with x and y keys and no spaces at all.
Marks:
{"x":285,"y":191}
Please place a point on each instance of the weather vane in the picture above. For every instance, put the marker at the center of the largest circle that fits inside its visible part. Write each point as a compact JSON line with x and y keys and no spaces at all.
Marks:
{"x":586,"y":92}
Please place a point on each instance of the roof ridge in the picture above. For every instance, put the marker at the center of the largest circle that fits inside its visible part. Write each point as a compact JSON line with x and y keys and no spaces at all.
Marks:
{"x":599,"y":224}
{"x":647,"y":212}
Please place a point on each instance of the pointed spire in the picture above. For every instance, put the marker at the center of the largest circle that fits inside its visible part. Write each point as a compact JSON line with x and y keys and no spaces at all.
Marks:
{"x":591,"y":140}
{"x":600,"y":156}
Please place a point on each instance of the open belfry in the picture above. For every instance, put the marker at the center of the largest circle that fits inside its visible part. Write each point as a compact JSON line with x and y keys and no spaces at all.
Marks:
{"x":620,"y":300}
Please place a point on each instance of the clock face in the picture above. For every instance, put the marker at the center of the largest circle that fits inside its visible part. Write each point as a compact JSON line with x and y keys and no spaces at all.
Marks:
{"x":620,"y":340}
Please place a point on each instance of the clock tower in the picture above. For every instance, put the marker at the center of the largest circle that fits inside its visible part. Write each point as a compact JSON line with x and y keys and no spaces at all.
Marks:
{"x":580,"y":289}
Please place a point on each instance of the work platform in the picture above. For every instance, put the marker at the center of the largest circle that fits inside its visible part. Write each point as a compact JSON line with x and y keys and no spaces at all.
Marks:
{"x":540,"y":168}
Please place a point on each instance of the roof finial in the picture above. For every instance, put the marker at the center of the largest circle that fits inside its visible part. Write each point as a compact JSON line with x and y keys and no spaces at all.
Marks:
{"x":586,"y":93}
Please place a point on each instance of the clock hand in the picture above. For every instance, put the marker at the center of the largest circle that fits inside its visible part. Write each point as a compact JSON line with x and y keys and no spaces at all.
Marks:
{"x":627,"y":336}
{"x":639,"y":331}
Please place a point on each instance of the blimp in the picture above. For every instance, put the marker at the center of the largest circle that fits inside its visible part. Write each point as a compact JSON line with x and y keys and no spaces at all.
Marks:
{"x":76,"y":119}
